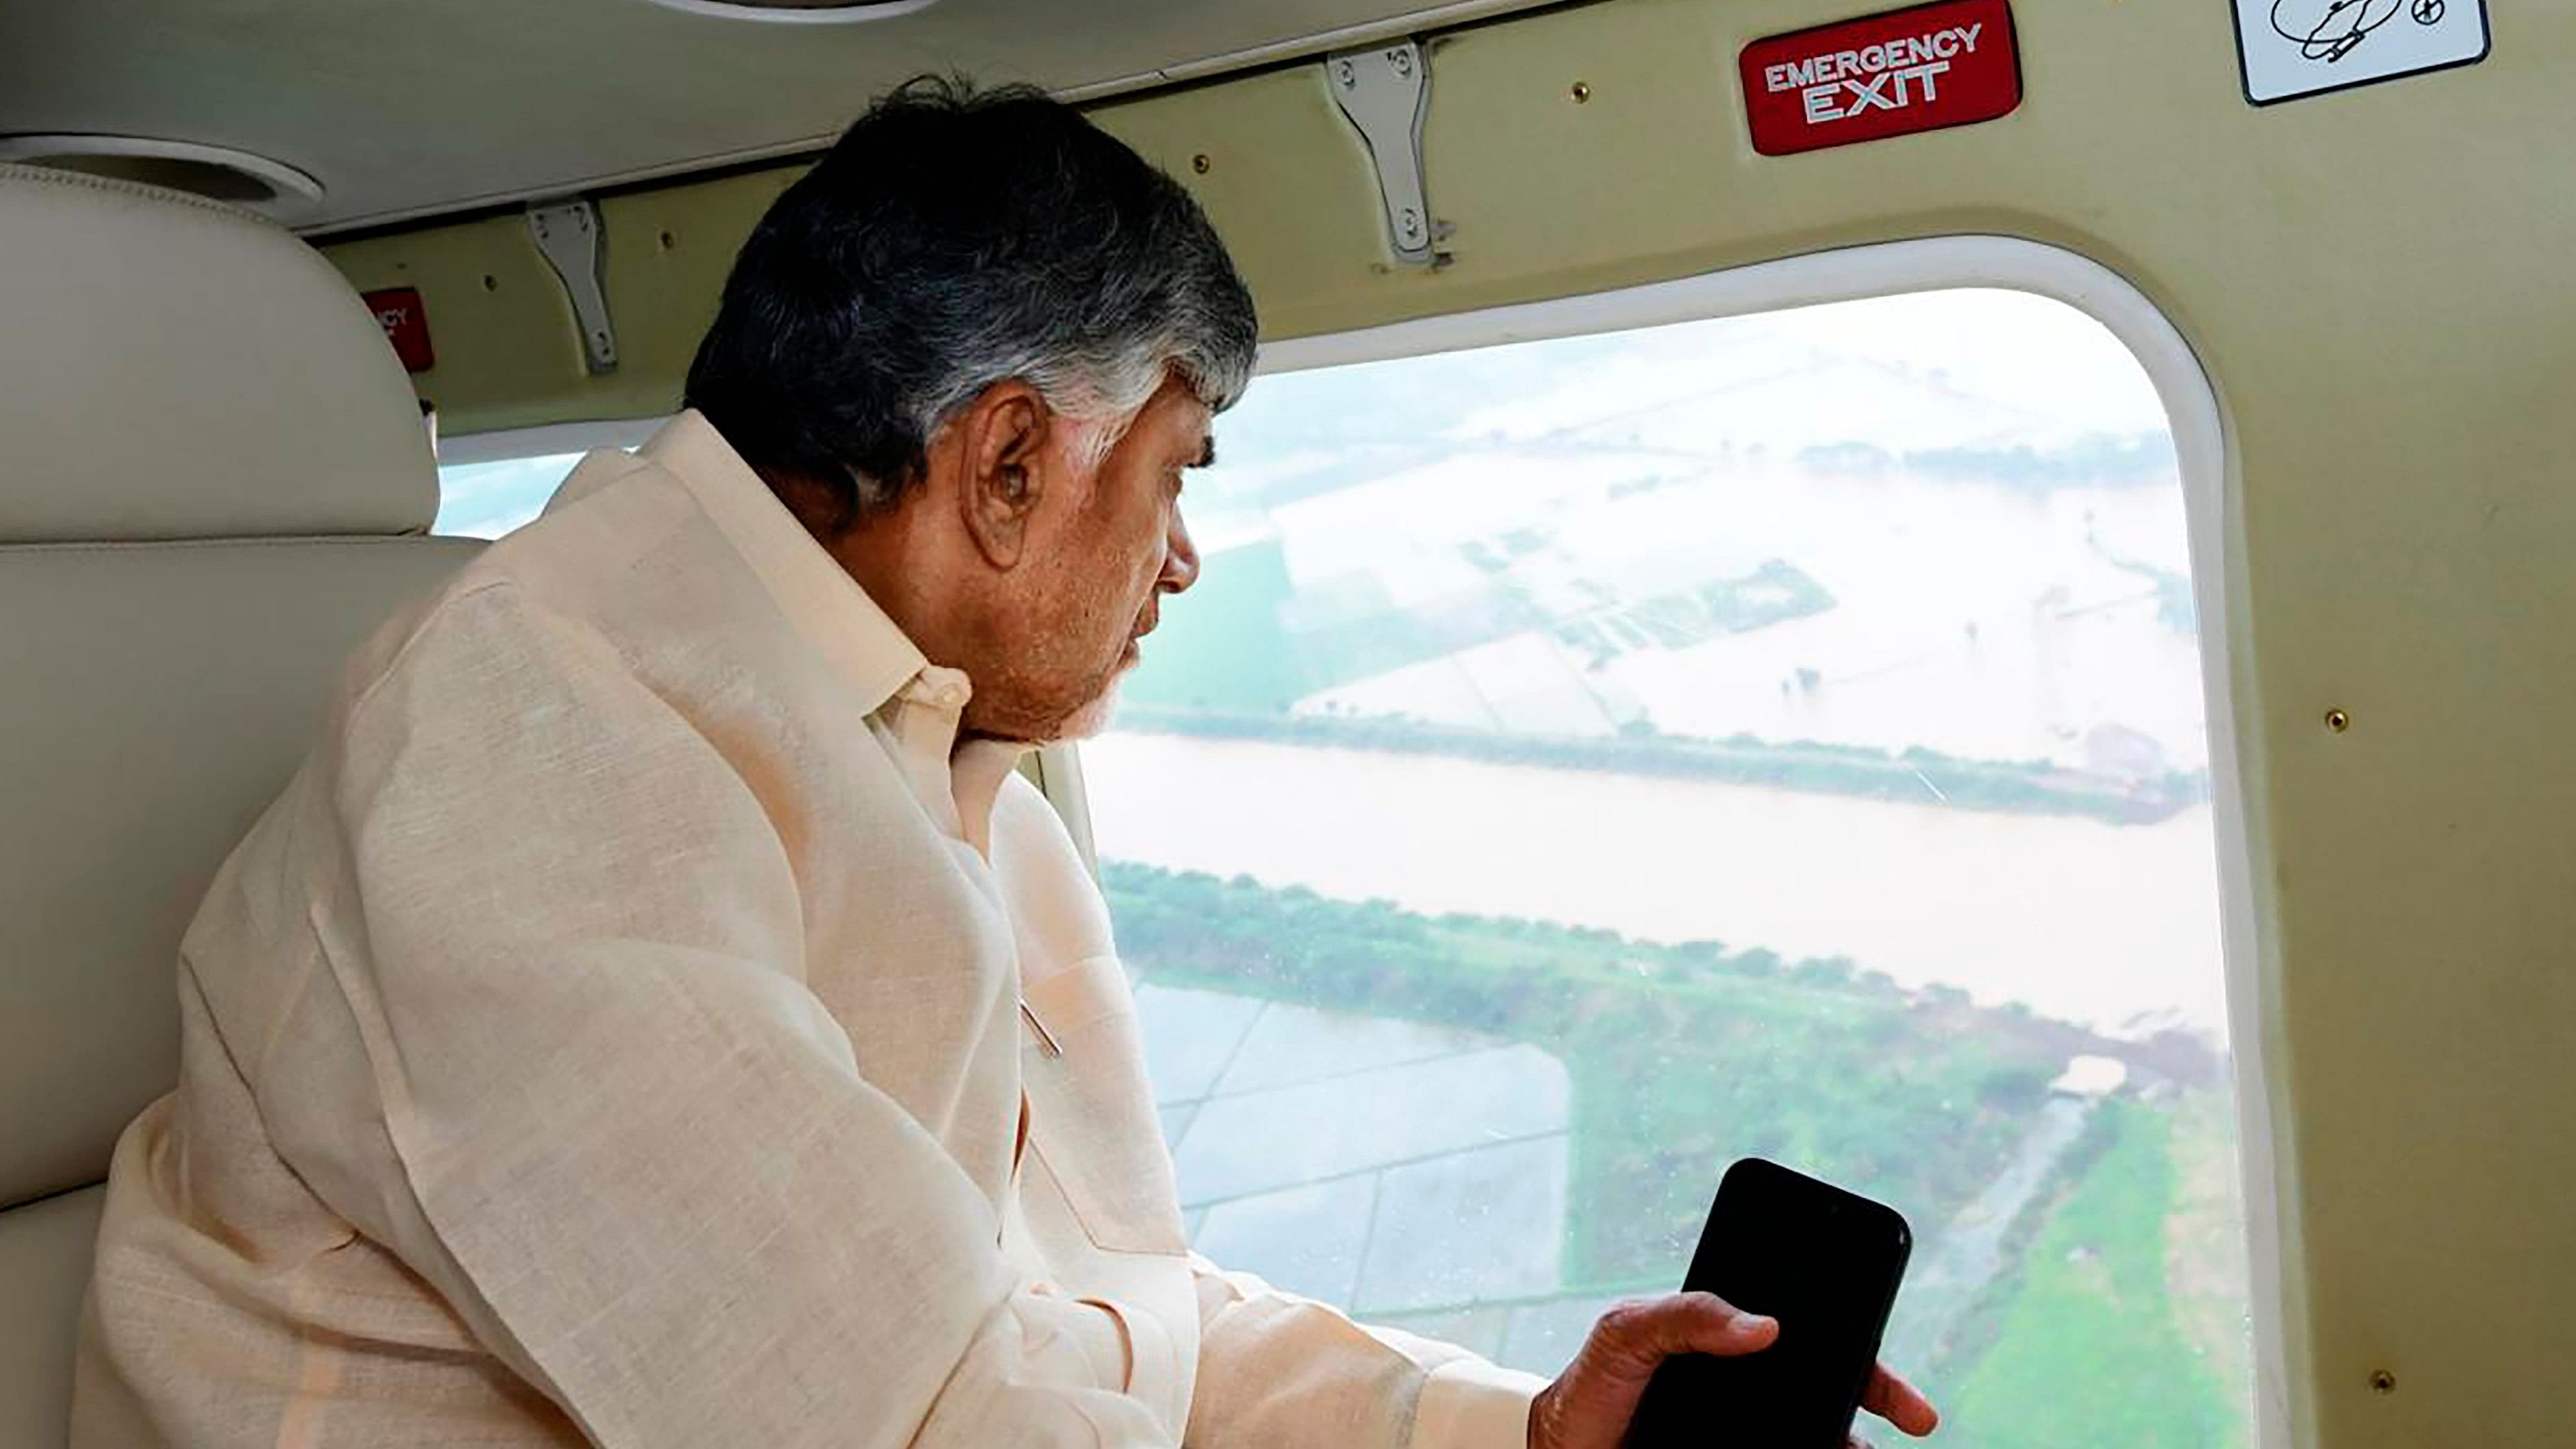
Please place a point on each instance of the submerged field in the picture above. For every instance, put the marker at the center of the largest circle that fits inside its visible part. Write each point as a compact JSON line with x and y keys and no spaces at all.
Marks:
{"x":1684,"y":1057}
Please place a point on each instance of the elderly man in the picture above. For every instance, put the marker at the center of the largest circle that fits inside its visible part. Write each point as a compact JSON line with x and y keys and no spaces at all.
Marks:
{"x":657,"y":1014}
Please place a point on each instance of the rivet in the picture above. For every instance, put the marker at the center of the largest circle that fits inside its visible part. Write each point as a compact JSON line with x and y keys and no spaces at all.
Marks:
{"x":1582,"y":92}
{"x":1200,"y":163}
{"x":2382,"y":1381}
{"x":2338,"y":721}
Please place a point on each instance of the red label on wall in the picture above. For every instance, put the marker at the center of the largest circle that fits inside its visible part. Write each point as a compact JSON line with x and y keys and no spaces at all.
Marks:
{"x":398,"y":311}
{"x":1919,"y":69}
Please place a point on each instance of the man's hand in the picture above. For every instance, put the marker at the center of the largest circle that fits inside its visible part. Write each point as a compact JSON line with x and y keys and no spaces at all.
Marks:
{"x":1589,"y":1405}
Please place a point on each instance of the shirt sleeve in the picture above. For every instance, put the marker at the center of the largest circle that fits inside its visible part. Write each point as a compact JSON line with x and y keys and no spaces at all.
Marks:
{"x":1279,"y":1370}
{"x":632,"y":1151}
{"x":1274,"y":1370}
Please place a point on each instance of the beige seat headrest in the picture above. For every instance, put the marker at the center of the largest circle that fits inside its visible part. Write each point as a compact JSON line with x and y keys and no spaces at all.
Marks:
{"x":173,"y":368}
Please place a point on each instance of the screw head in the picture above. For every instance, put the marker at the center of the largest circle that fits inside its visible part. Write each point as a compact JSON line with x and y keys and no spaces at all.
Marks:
{"x":1402,"y":60}
{"x":2338,"y":721}
{"x":1200,"y":163}
{"x":1582,"y":92}
{"x":1348,"y":74}
{"x":2382,"y":1381}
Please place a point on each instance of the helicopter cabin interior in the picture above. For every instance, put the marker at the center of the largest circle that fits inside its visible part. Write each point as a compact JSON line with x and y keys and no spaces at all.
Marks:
{"x":1973,"y":597}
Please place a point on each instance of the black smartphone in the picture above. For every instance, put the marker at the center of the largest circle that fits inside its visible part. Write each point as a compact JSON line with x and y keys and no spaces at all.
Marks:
{"x":1824,"y":1262}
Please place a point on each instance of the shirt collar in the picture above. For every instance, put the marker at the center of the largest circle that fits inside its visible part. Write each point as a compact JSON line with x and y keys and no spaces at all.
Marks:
{"x":977,"y":774}
{"x":828,"y":608}
{"x":820,"y":599}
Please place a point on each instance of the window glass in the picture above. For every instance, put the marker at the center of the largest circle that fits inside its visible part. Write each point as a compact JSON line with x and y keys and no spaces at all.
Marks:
{"x":487,"y":500}
{"x":1586,"y":762}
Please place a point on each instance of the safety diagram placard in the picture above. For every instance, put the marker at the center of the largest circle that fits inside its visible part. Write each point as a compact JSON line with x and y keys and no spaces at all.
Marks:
{"x":2304,"y":47}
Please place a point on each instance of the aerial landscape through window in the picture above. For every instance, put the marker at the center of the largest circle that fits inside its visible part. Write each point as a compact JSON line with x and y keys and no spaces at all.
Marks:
{"x":1586,"y":762}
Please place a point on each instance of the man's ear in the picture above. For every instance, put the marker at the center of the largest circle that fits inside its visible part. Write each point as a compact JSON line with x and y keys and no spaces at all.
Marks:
{"x":1002,"y":437}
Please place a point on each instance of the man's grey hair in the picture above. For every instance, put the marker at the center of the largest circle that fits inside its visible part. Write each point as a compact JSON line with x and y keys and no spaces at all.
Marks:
{"x":951,"y":240}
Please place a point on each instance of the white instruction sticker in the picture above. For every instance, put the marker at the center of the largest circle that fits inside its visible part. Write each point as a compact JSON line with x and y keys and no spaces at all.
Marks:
{"x":2296,"y":48}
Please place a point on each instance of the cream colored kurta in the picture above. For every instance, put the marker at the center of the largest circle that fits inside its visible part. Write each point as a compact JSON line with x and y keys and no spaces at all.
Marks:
{"x":615,"y":1034}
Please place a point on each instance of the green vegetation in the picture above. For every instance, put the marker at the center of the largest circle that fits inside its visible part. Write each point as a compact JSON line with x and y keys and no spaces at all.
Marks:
{"x":1348,"y":628}
{"x":1250,"y":642}
{"x":2116,"y":1321}
{"x":2205,"y":1251}
{"x":2029,"y":787}
{"x":1246,"y":645}
{"x":1225,"y":648}
{"x":2097,"y":460}
{"x":1774,"y":593}
{"x":1231,"y":660}
{"x":2084,"y":1344}
{"x":1683,"y":1058}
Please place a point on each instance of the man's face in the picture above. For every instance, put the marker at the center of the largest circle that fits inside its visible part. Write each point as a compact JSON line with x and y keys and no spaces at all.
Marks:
{"x":1105,"y":544}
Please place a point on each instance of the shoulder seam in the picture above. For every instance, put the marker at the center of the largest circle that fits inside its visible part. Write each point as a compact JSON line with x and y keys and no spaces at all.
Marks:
{"x":358,"y":702}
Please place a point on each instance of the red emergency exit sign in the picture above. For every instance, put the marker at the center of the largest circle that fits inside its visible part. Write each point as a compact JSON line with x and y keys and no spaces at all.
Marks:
{"x":1919,"y":69}
{"x":406,"y":325}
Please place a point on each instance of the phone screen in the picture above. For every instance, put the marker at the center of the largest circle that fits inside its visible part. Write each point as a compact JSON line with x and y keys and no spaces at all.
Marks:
{"x":1826,"y":1264}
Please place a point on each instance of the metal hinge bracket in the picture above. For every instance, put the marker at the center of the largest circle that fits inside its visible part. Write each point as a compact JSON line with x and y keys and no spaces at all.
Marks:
{"x":570,"y":238}
{"x":1386,"y":90}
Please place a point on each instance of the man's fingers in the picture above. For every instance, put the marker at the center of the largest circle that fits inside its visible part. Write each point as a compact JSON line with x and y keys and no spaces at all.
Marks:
{"x":1591,"y":1402}
{"x":1645,"y":1333}
{"x":1899,"y":1403}
{"x":1706,"y":1323}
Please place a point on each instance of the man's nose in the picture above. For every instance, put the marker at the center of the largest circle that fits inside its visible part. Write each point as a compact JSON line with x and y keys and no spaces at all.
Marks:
{"x":1180,"y":558}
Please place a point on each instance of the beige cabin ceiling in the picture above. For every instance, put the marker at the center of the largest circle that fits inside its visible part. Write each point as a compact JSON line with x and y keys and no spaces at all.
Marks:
{"x":407,"y":108}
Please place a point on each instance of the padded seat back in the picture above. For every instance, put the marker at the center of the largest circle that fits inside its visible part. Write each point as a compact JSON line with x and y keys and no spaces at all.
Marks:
{"x":214,"y":482}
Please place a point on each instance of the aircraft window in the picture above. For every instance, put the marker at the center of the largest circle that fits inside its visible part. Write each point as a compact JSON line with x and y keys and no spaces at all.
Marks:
{"x":1584,"y":762}
{"x":487,"y":500}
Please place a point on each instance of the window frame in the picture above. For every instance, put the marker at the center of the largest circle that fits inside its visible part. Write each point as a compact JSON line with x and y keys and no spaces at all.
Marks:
{"x":2247,"y":945}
